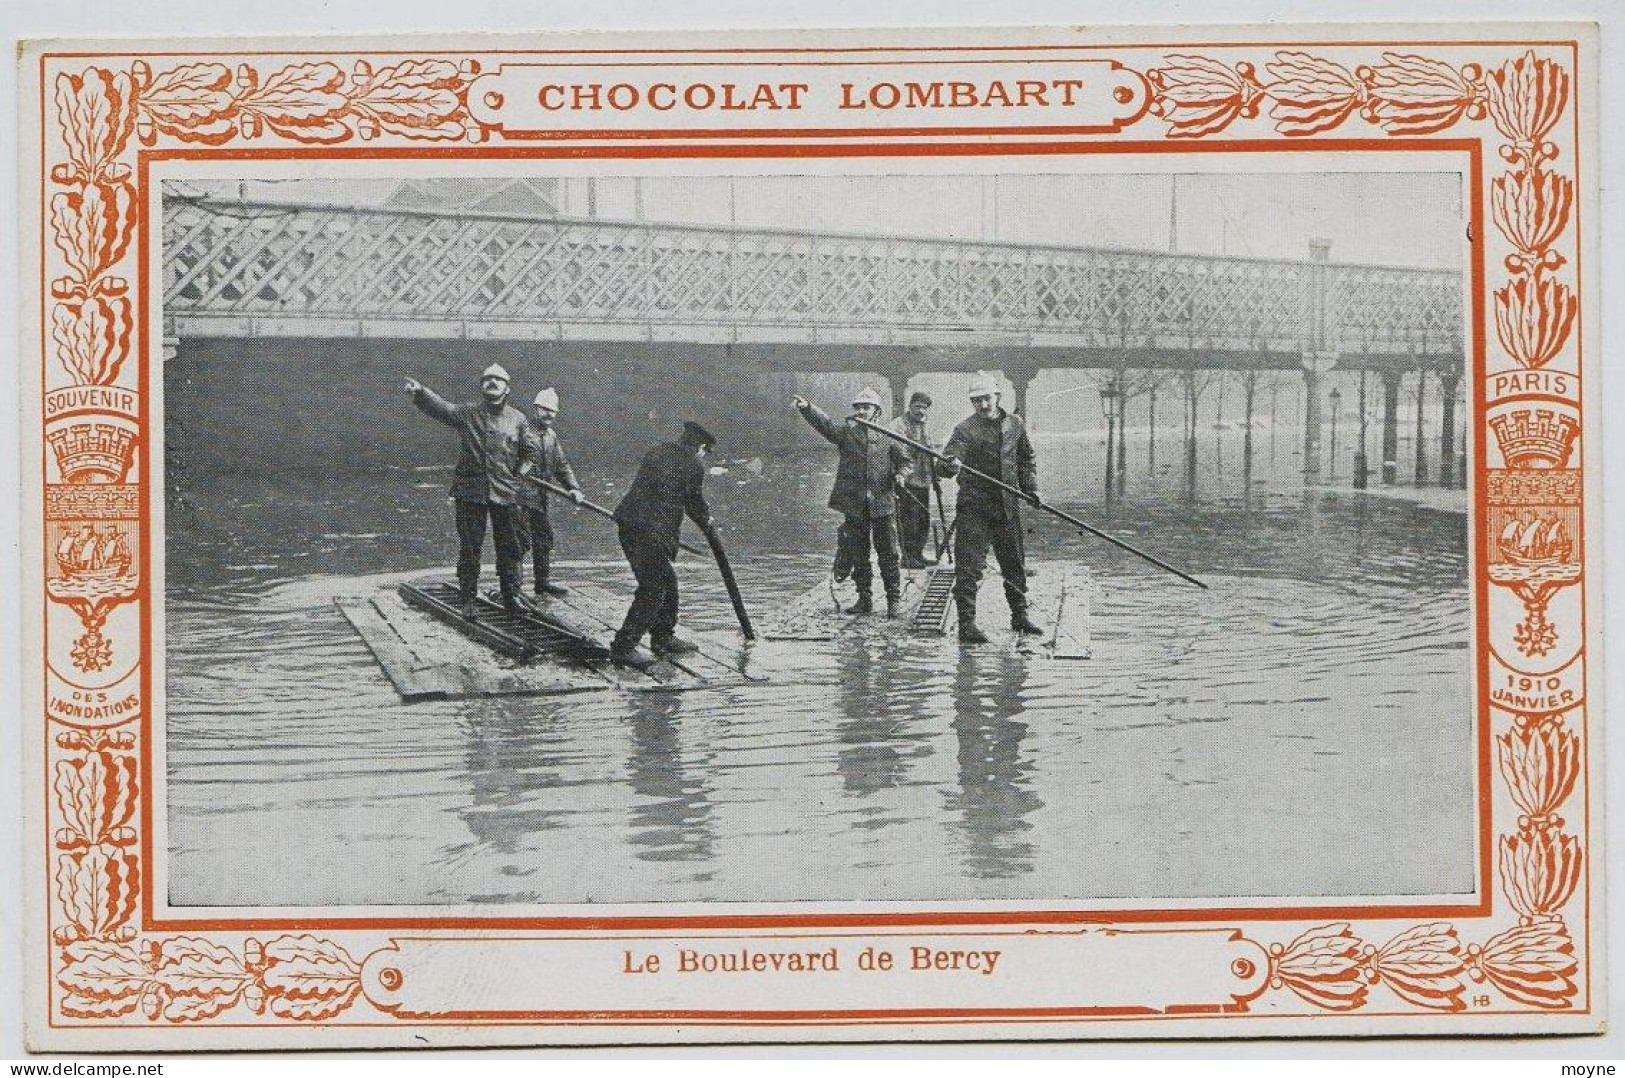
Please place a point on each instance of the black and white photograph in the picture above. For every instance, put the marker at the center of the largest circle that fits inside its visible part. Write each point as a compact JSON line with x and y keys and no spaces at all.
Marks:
{"x":543,"y":536}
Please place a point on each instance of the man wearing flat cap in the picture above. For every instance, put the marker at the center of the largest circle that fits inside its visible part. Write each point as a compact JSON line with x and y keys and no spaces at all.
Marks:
{"x":499,"y":449}
{"x":865,"y":496}
{"x":667,"y":488}
{"x":553,"y":468}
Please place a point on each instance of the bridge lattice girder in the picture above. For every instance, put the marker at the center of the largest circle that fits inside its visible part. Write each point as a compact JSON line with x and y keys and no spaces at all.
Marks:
{"x":309,"y":270}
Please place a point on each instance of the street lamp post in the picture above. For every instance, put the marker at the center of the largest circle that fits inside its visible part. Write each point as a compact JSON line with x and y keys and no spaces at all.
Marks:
{"x":1109,"y":401}
{"x":1336,"y":399}
{"x":1122,"y":427}
{"x":1361,"y":471}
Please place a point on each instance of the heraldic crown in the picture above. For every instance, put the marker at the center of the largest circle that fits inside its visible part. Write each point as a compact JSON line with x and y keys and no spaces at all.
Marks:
{"x":1534,"y":438}
{"x":93,"y":452}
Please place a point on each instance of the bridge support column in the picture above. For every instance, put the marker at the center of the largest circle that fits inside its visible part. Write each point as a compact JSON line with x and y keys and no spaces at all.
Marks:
{"x":1311,"y":423}
{"x":1020,"y":380}
{"x":1390,"y":427}
{"x":1421,"y":438}
{"x":898,"y":380}
{"x":1448,"y":382}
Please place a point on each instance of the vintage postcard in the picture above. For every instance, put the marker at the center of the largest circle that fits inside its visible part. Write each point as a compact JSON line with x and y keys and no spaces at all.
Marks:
{"x":899,"y":535}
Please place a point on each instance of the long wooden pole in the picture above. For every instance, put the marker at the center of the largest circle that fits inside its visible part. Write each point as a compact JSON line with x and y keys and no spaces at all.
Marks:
{"x":555,"y":489}
{"x":732,"y":585}
{"x":1035,"y":503}
{"x":942,"y":514}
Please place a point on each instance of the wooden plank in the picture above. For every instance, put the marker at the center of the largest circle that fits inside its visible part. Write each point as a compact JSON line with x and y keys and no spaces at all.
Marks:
{"x":400,"y":664}
{"x":1069,"y":637}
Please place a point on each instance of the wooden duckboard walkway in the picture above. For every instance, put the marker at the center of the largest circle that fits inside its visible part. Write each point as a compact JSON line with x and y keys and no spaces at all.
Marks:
{"x":430,"y":652}
{"x":1060,"y":600}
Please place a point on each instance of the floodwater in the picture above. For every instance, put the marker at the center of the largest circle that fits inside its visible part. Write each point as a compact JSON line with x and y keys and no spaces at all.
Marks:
{"x":1299,"y":730}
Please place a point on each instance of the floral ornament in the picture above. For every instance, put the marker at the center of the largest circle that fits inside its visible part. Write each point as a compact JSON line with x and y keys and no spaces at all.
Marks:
{"x":1539,"y":871}
{"x":92,"y":338}
{"x":1198,"y":96}
{"x":1540,"y":762}
{"x":1531,"y":963}
{"x":1533,"y":318}
{"x":1531,"y":208}
{"x":96,"y":111}
{"x":1404,"y":95}
{"x":1414,"y":95}
{"x":1323,"y":966}
{"x":1311,"y":95}
{"x":92,"y":226}
{"x":188,"y":979}
{"x":97,"y":888}
{"x":1525,"y":98}
{"x":312,"y":103}
{"x":96,"y":796}
{"x":1330,"y":967}
{"x":1423,"y":966}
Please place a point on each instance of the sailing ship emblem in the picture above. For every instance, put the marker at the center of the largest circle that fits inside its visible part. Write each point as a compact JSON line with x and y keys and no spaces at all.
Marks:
{"x":1535,"y":557}
{"x":93,"y":570}
{"x":1537,"y":541}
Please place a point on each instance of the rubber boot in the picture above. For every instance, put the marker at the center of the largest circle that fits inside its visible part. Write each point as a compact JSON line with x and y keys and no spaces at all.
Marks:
{"x":891,"y":606}
{"x":671,"y":644}
{"x":544,"y":585}
{"x":968,"y":632}
{"x":864,"y":605}
{"x":843,"y":559}
{"x":1021,"y":623}
{"x":513,"y":598}
{"x":624,"y":647}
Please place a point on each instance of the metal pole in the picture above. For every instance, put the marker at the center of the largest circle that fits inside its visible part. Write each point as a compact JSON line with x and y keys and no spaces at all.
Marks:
{"x":1111,"y":431}
{"x":1361,"y":465}
{"x":1151,"y":444}
{"x":1337,"y":402}
{"x":1030,"y":500}
{"x":1122,"y":425}
{"x":559,"y":491}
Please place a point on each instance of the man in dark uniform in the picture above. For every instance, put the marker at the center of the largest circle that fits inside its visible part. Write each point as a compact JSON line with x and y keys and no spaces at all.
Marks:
{"x":914,"y":485}
{"x":865,"y":495}
{"x":995,"y":443}
{"x":499,"y":450}
{"x":650,"y":516}
{"x":554,"y":468}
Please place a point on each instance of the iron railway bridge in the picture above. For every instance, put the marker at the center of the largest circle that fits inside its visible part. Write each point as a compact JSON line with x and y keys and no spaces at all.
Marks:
{"x":784,"y":300}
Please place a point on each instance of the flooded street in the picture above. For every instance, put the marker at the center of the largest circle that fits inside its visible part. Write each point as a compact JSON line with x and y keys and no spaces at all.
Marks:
{"x":1296,"y":731}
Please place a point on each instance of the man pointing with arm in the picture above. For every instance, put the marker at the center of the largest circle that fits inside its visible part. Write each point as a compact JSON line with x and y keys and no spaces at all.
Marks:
{"x":499,"y":449}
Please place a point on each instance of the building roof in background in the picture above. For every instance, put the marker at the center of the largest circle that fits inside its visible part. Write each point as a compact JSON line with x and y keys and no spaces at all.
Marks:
{"x":523,"y":195}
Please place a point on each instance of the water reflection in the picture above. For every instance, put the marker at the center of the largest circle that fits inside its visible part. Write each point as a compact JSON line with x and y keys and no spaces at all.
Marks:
{"x":994,"y":795}
{"x":515,"y":767}
{"x":671,"y":820}
{"x":879,"y":699}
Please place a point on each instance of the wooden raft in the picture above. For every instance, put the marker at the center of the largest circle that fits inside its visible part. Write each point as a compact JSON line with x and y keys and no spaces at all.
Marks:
{"x":428,"y":650}
{"x":1060,"y":599}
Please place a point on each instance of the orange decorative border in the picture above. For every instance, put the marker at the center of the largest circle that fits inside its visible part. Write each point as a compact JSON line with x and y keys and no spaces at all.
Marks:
{"x":104,"y":117}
